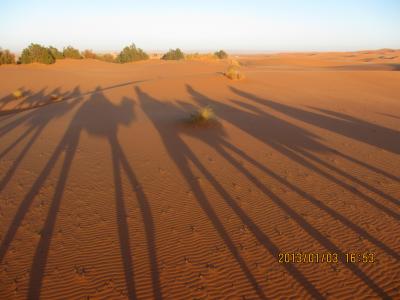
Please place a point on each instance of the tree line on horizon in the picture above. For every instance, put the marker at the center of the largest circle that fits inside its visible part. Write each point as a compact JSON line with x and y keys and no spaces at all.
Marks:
{"x":36,"y":53}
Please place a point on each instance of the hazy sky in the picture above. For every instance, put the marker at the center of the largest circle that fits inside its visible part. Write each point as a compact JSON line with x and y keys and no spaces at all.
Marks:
{"x":245,"y":25}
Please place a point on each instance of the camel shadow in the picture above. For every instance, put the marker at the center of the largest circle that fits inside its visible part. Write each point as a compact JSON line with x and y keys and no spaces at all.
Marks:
{"x":288,"y":140}
{"x":183,"y":157}
{"x":99,"y":117}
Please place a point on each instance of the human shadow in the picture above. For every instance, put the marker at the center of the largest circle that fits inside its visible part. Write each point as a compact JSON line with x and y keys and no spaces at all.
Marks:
{"x":97,"y":116}
{"x":280,"y":138}
{"x":183,"y":156}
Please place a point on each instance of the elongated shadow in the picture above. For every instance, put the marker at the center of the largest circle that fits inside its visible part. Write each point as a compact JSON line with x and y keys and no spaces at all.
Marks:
{"x":218,"y":145}
{"x":33,"y":99}
{"x":26,"y":202}
{"x":20,"y":119}
{"x":10,"y":98}
{"x":181,"y":154}
{"x":301,"y":149}
{"x":37,"y":121}
{"x":284,"y":137}
{"x":390,"y":115}
{"x":348,"y":126}
{"x":102,"y":118}
{"x":98,"y":116}
{"x":39,"y":99}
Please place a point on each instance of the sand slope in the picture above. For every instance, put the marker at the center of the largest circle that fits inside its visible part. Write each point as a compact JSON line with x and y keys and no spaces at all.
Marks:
{"x":107,"y":193}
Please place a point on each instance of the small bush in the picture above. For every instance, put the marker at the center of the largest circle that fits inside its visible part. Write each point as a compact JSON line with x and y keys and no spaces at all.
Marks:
{"x":6,"y":57}
{"x":71,"y":52}
{"x":36,"y":53}
{"x":235,"y":63}
{"x":55,"y":97}
{"x":56,"y":53}
{"x":172,"y":54}
{"x":89,"y":54}
{"x":106,"y":57}
{"x":131,"y":53}
{"x":203,"y":115}
{"x":221,"y":54}
{"x":17,"y":94}
{"x":233,"y":73}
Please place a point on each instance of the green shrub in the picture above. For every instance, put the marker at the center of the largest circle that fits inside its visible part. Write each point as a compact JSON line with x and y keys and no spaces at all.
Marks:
{"x":131,"y":53}
{"x":89,"y":54}
{"x":221,"y":54}
{"x":106,"y":57}
{"x":36,"y":53}
{"x":6,"y":57}
{"x":56,"y":53}
{"x":172,"y":54}
{"x":71,"y":52}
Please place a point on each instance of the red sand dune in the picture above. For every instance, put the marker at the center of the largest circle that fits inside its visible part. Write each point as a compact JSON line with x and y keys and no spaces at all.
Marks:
{"x":107,"y":193}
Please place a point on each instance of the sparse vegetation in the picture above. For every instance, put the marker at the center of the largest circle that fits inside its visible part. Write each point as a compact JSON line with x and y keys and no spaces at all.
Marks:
{"x":6,"y":57}
{"x":234,"y":73}
{"x":36,"y":53}
{"x":131,"y":53}
{"x":221,"y":54}
{"x":89,"y":54}
{"x":106,"y":57}
{"x":200,"y":56}
{"x":57,"y":54}
{"x":234,"y":62}
{"x":172,"y":54}
{"x":17,"y":94}
{"x":202,"y":115}
{"x":71,"y":52}
{"x":54,"y":97}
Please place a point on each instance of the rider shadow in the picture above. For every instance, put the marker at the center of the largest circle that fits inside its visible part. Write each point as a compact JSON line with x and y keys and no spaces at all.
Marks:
{"x":348,"y":122}
{"x":22,"y":117}
{"x":339,"y":123}
{"x":280,"y":138}
{"x":10,"y":98}
{"x":292,"y":141}
{"x":183,"y":157}
{"x":36,"y":123}
{"x":99,"y":117}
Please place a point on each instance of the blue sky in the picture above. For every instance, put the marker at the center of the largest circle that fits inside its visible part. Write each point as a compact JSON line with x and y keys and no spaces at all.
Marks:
{"x":246,"y":25}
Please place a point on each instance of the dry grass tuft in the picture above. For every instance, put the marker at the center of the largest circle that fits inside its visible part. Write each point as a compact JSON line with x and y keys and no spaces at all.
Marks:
{"x":201,"y":57}
{"x":202,"y":115}
{"x":55,"y":97}
{"x":17,"y":94}
{"x":234,"y":62}
{"x":234,"y":73}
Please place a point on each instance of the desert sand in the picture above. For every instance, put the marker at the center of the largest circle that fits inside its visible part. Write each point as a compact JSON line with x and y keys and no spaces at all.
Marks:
{"x":106,"y":192}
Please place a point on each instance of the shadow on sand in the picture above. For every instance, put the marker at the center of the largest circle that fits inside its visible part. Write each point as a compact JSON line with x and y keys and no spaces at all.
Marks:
{"x":288,"y":140}
{"x":99,"y":117}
